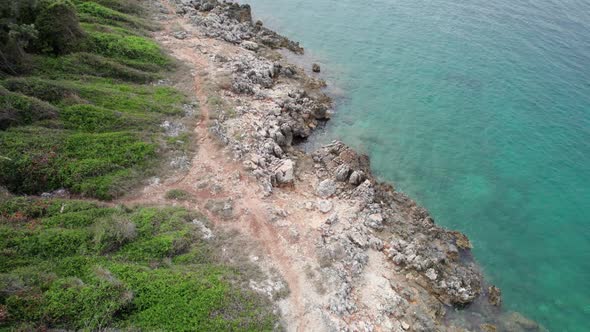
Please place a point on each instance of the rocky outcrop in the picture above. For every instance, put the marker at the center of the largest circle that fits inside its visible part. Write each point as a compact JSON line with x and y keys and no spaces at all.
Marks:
{"x":232,"y":22}
{"x":411,"y":239}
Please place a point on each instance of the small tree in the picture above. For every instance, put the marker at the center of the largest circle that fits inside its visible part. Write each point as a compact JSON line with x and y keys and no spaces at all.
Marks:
{"x":16,"y":33}
{"x":59,"y":27}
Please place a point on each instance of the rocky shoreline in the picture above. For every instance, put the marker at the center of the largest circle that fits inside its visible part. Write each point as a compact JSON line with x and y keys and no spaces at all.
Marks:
{"x":374,"y":259}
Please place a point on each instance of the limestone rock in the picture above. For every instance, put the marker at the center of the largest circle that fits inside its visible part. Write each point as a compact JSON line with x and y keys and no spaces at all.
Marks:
{"x":405,"y":325}
{"x":325,"y":206}
{"x":431,"y":274}
{"x":357,"y":177}
{"x":284,"y":172}
{"x":180,"y":35}
{"x":342,"y":173}
{"x":250,"y":45}
{"x":326,"y":188}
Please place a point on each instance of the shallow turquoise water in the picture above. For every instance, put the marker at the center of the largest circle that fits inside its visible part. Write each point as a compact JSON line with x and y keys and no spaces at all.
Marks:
{"x":480,"y":110}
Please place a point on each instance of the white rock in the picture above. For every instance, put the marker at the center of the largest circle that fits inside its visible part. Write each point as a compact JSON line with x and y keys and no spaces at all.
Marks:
{"x":284,"y":172}
{"x":431,"y":274}
{"x":249,"y":45}
{"x":325,"y":206}
{"x":405,"y":325}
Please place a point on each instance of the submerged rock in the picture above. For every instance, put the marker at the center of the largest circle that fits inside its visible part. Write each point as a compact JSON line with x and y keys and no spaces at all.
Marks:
{"x":494,"y":296}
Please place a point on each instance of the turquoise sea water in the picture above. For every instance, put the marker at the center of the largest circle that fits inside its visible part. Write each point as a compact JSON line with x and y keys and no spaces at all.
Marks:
{"x":480,"y":110}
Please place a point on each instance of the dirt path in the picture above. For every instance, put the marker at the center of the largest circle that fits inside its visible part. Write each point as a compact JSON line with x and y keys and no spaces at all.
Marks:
{"x":211,"y":165}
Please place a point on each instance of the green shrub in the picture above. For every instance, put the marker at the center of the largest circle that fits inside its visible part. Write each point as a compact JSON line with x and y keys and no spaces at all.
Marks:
{"x":92,"y":119}
{"x":112,"y":233}
{"x":134,"y":7}
{"x":150,"y":249}
{"x":71,"y":303}
{"x":55,"y":242}
{"x":131,"y":98}
{"x":96,"y":13}
{"x":30,"y":162}
{"x":178,"y":195}
{"x":14,"y":38}
{"x":127,"y":47}
{"x":150,"y":221}
{"x":198,"y":299}
{"x":77,"y":219}
{"x":92,"y":164}
{"x":22,"y":208}
{"x":77,"y":64}
{"x":79,"y":279}
{"x":17,"y":109}
{"x":26,"y":307}
{"x":59,"y":28}
{"x":47,"y":90}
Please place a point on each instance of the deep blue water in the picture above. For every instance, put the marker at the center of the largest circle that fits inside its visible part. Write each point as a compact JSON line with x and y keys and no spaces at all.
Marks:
{"x":480,"y":110}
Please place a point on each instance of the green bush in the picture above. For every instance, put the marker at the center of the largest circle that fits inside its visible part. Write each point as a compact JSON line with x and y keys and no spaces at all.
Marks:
{"x":55,"y":242}
{"x":59,"y":28}
{"x":38,"y":160}
{"x":17,"y":109}
{"x":29,"y":162}
{"x":78,"y":64}
{"x":98,"y":274}
{"x":135,"y":48}
{"x":178,"y":194}
{"x":151,"y":249}
{"x":77,"y":219}
{"x":23,"y":208}
{"x":134,"y":7}
{"x":14,"y":38}
{"x":198,"y":298}
{"x":131,"y":98}
{"x":92,"y":119}
{"x":97,"y":13}
{"x":46,"y":90}
{"x":112,"y":233}
{"x":73,"y":304}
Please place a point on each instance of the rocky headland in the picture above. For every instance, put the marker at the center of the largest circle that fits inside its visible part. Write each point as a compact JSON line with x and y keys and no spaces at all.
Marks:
{"x":356,"y":254}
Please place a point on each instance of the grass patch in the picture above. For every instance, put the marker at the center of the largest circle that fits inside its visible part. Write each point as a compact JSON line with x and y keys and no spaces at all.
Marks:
{"x":134,"y":7}
{"x":94,"y":12}
{"x":97,"y":143}
{"x":117,"y":268}
{"x":17,"y":109}
{"x":88,"y":64}
{"x":87,"y":121}
{"x":97,"y":165}
{"x":130,"y":49}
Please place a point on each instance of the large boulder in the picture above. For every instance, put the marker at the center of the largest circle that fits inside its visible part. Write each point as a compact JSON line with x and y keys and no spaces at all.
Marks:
{"x":240,"y":13}
{"x":284,"y":172}
{"x":326,"y":188}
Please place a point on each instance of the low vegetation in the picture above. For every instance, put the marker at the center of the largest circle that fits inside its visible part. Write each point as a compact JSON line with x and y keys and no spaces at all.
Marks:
{"x":178,"y":195}
{"x":81,"y":110}
{"x":75,"y":265}
{"x":77,"y":107}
